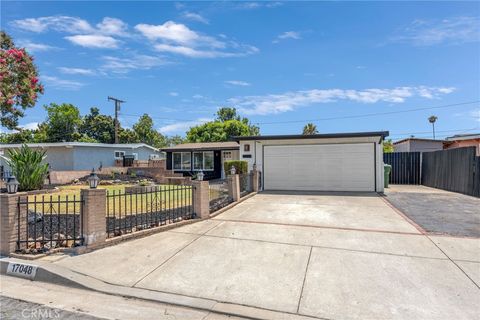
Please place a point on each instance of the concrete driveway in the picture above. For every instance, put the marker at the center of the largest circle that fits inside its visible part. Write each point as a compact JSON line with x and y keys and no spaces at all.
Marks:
{"x":335,"y":256}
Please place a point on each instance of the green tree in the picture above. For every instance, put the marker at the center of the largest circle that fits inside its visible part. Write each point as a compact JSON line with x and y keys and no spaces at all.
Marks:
{"x":226,"y":125}
{"x":19,"y":84}
{"x":98,"y":127}
{"x":174,"y":140}
{"x":227,"y":113}
{"x":147,"y":134}
{"x":22,"y":136}
{"x":62,"y":122}
{"x":388,"y":146}
{"x":310,"y":128}
{"x":126,"y":135}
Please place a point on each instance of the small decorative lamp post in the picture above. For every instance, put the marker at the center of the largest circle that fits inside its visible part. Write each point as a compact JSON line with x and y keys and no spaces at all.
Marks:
{"x":200,"y":176}
{"x":233,"y":170}
{"x":93,"y":180}
{"x":12,"y":185}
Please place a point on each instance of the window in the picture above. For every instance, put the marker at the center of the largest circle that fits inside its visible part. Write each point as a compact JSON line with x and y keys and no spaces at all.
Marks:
{"x":227,"y":155}
{"x":119,"y":154}
{"x":181,"y":161}
{"x":135,"y":156}
{"x":246,"y":148}
{"x":197,"y":160}
{"x":203,"y":161}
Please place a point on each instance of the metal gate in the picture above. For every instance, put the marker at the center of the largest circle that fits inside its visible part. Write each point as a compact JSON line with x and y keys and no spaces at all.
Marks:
{"x":406,"y":167}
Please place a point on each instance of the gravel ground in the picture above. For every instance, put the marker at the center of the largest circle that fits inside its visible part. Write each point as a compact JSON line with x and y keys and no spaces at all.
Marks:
{"x":13,"y":309}
{"x":439,"y":211}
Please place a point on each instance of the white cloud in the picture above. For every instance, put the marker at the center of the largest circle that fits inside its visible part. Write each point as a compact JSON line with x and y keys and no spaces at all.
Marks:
{"x":295,"y":35}
{"x":36,"y":47}
{"x":177,"y":38}
{"x":130,"y":63}
{"x":29,"y":126}
{"x":237,"y":83}
{"x":195,"y":17}
{"x":62,"y":84}
{"x":182,"y":126}
{"x":58,"y":23}
{"x":453,"y":30}
{"x":289,"y":101}
{"x":112,"y":26}
{"x":94,"y":41}
{"x":198,"y":96}
{"x":173,"y":94}
{"x":80,"y":71}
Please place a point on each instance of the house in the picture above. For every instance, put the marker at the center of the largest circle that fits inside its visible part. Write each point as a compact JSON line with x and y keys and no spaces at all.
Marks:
{"x":463,"y":140}
{"x":190,"y":158}
{"x":417,"y":145}
{"x":320,"y":162}
{"x":82,"y":156}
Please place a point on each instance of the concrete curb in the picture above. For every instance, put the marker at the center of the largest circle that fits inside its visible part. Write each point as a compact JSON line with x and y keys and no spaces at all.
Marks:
{"x":50,"y":273}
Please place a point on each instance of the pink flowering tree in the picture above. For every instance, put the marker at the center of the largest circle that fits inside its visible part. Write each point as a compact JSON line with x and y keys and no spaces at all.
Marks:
{"x":19,"y":85}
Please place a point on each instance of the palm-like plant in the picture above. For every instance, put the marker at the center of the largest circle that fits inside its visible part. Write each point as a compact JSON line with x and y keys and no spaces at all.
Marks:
{"x":432,"y":120}
{"x":27,"y":166}
{"x":310,"y":128}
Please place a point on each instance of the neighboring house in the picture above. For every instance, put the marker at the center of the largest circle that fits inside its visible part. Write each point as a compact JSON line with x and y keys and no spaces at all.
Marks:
{"x":81,"y":156}
{"x":417,"y":145}
{"x":320,"y":162}
{"x":463,"y":140}
{"x":190,"y":158}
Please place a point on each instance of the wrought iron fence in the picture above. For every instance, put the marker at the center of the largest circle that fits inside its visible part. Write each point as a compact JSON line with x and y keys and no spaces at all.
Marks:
{"x":148,"y":207}
{"x":47,"y":222}
{"x":218,"y":194}
{"x":246,"y":186}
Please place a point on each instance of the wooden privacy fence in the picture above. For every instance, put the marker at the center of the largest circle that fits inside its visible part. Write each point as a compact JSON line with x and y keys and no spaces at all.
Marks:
{"x":456,"y":170}
{"x":406,"y":167}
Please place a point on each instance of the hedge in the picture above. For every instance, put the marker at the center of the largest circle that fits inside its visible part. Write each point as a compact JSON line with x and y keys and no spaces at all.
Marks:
{"x":241,"y":166}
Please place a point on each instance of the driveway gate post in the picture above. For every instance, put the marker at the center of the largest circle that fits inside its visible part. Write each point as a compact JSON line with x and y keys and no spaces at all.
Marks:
{"x":234,"y":187}
{"x":201,"y":199}
{"x":9,"y":222}
{"x":94,"y":216}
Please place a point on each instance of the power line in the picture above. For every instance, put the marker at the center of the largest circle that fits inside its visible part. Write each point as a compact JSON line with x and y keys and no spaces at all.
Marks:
{"x":327,"y":119}
{"x":371,"y":114}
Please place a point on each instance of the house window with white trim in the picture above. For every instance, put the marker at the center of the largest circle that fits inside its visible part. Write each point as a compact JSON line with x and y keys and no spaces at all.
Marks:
{"x":119,"y":154}
{"x":181,"y":160}
{"x":203,"y":161}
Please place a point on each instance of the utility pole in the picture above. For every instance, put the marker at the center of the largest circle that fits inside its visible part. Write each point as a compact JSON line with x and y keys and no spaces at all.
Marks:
{"x":117,"y":109}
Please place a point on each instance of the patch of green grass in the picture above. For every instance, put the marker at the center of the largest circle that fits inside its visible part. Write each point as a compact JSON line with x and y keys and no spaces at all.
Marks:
{"x":118,"y":203}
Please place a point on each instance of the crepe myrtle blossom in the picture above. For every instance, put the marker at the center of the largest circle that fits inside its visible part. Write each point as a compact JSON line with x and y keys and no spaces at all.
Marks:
{"x":19,"y":83}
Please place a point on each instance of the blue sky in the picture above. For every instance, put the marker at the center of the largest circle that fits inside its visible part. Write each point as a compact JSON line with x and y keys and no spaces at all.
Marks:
{"x":282,"y":64}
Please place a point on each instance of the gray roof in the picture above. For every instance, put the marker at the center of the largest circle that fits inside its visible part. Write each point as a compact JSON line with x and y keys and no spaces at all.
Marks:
{"x":464,"y":137}
{"x":228,"y":145}
{"x":381,"y":134}
{"x":80,"y":144}
{"x":417,"y":139}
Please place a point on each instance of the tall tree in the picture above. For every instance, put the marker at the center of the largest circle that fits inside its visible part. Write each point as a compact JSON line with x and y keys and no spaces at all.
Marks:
{"x":62,"y":122}
{"x":19,"y":85}
{"x":388,"y":146}
{"x":173,"y":140}
{"x":147,"y":134}
{"x":310,"y":128}
{"x":99,"y":127}
{"x":226,"y":125}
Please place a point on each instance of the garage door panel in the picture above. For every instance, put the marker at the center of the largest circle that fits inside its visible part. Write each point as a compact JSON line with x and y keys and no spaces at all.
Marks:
{"x":336,"y":167}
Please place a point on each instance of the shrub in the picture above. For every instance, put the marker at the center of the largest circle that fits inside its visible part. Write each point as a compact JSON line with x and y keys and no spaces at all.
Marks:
{"x":241,"y":166}
{"x":28,"y":168}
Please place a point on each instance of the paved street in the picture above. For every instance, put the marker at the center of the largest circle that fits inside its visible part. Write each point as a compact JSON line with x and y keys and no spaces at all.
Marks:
{"x":23,"y":299}
{"x":335,"y":256}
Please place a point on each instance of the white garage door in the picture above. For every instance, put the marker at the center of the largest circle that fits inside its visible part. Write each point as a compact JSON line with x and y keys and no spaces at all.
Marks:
{"x":332,"y":167}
